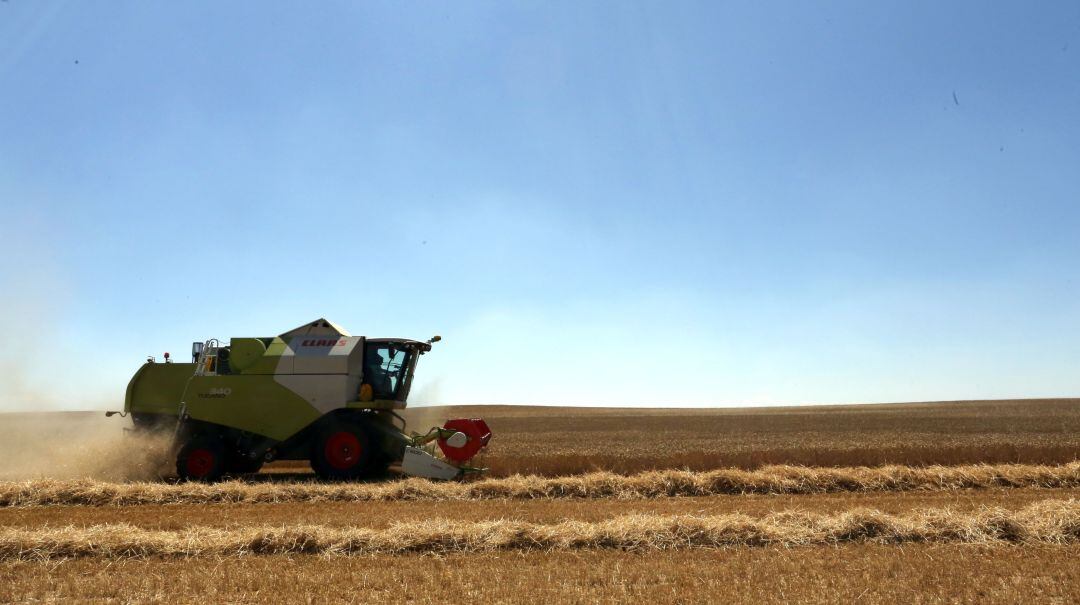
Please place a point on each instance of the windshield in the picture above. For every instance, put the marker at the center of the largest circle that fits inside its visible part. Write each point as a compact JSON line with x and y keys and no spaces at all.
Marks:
{"x":386,"y":367}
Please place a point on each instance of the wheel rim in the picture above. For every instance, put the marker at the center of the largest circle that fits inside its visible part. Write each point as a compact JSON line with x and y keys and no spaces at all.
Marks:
{"x":200,"y":463}
{"x":342,"y":450}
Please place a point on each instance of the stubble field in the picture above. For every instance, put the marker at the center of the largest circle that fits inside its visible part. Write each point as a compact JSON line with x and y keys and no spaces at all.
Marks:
{"x":942,"y":502}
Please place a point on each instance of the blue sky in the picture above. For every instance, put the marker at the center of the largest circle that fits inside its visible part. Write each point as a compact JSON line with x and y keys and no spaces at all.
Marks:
{"x":594,"y":203}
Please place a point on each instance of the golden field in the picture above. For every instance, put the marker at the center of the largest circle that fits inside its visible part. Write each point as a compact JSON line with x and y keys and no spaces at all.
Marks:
{"x":946,"y":502}
{"x":928,"y":573}
{"x":560,"y":441}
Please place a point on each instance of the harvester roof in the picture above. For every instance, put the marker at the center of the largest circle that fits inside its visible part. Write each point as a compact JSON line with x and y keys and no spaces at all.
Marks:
{"x":422,"y":346}
{"x":319,"y":327}
{"x":323,"y":327}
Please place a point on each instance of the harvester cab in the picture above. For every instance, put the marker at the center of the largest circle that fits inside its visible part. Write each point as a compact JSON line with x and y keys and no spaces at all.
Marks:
{"x":313,"y":393}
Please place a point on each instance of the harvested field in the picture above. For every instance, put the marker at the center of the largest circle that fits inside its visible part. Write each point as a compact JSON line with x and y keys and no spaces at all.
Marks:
{"x":382,"y":514}
{"x":776,"y":505}
{"x":863,"y":573}
{"x":1051,"y":522}
{"x":767,"y":480}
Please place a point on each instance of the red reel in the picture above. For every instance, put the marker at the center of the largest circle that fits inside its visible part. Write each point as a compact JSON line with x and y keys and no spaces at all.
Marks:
{"x":477,"y":432}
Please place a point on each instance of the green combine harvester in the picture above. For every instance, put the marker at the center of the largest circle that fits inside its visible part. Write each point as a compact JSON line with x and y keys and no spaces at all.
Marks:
{"x":313,"y":393}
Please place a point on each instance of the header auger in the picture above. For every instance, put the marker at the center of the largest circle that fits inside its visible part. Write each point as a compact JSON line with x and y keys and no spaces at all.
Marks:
{"x":314,"y":393}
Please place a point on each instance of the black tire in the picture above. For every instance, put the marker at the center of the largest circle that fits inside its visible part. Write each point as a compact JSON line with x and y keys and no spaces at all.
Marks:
{"x":201,"y":459}
{"x":243,"y":465}
{"x":342,"y":451}
{"x":379,"y":469}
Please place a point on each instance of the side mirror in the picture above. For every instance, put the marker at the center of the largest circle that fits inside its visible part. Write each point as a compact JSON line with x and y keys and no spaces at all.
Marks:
{"x":196,"y":351}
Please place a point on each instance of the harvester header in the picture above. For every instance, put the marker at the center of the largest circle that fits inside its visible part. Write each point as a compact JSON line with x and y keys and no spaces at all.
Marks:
{"x":312,"y":393}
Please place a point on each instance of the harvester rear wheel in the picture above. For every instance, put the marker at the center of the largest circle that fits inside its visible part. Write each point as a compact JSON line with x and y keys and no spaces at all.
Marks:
{"x":201,"y":459}
{"x":342,"y":451}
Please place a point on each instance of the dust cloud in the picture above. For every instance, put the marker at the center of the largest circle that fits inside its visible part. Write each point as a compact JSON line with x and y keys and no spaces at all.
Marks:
{"x":79,"y":445}
{"x":37,"y":311}
{"x":422,"y":419}
{"x":424,"y":410}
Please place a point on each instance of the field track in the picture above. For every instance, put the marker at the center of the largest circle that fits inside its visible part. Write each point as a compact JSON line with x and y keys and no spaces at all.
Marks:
{"x":768,"y":480}
{"x":1049,"y":522}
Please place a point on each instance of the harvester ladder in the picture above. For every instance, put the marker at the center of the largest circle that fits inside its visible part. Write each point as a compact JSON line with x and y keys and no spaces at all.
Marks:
{"x":208,"y":358}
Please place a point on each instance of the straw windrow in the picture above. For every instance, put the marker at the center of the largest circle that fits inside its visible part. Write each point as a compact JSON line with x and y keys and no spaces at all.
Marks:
{"x":1048,"y":522}
{"x":767,"y":480}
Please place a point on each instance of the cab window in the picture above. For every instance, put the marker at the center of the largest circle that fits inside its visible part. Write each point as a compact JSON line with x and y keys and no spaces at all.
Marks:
{"x":385,"y":365}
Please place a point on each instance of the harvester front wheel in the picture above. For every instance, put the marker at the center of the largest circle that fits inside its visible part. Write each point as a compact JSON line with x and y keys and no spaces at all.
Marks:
{"x":201,"y":459}
{"x":342,"y":451}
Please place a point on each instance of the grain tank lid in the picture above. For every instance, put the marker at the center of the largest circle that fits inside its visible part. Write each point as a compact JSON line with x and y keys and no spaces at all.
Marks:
{"x":319,"y":327}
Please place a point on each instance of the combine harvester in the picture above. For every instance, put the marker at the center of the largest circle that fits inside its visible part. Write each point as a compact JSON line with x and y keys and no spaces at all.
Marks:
{"x":314,"y":393}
